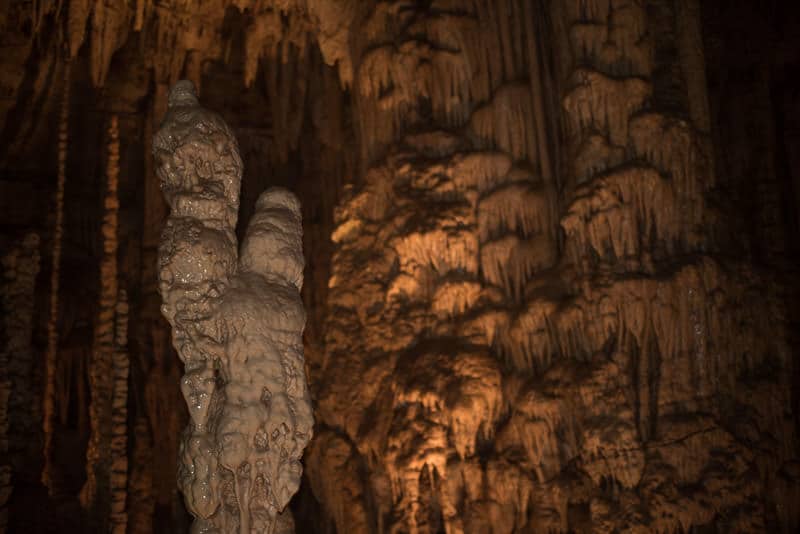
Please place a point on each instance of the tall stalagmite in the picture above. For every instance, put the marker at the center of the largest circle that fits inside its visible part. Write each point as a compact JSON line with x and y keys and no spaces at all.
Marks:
{"x":119,"y":415}
{"x":96,"y":493}
{"x":237,"y":321}
{"x":51,"y":352}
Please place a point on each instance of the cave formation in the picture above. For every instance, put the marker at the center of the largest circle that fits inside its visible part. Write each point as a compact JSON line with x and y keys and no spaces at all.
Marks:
{"x":550,"y":260}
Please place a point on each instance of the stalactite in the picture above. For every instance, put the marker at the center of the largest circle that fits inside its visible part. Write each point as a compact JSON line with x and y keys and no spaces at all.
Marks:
{"x":20,"y":268}
{"x":119,"y":438}
{"x":333,"y":35}
{"x":96,"y":492}
{"x":140,"y":15}
{"x":51,"y":353}
{"x":508,"y":122}
{"x":286,"y":75}
{"x":77,"y":18}
{"x":109,"y":31}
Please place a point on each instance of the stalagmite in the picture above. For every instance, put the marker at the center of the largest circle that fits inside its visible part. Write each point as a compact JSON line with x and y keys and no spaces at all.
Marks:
{"x":119,"y":407}
{"x":20,"y":268}
{"x":51,"y":352}
{"x":237,"y":322}
{"x":141,"y":500}
{"x":96,"y":493}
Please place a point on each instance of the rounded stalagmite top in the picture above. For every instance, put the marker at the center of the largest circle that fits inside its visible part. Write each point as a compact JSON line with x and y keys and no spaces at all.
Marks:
{"x":278,"y":197}
{"x":183,"y":93}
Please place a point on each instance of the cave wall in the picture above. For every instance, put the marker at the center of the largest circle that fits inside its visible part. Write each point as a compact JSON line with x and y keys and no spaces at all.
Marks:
{"x":548,"y":344}
{"x":550,"y":250}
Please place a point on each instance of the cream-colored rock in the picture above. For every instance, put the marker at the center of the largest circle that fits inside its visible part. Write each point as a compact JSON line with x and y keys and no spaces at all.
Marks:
{"x":237,"y":324}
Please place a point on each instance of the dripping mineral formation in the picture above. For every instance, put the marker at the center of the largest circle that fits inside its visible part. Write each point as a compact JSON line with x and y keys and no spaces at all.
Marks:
{"x":551,"y":265}
{"x":237,"y":322}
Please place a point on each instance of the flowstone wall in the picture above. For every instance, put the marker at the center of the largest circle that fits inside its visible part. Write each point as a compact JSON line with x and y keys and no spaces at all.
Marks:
{"x":533,"y":324}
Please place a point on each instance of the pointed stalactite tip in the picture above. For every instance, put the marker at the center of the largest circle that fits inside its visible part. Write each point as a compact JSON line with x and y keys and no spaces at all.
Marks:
{"x":183,"y":93}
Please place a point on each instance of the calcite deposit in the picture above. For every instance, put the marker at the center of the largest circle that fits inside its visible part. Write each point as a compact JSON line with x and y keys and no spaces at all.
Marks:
{"x":237,"y":321}
{"x":529,"y":336}
{"x":549,"y":264}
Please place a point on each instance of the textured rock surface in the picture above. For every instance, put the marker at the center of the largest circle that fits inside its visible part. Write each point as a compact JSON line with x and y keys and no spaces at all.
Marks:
{"x":538,"y":299}
{"x":96,"y":493}
{"x":17,"y":418}
{"x":237,"y":324}
{"x":516,"y":346}
{"x":119,"y":416}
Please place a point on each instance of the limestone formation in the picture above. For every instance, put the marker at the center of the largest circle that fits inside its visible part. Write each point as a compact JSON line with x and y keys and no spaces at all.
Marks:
{"x":17,"y":427}
{"x":96,"y":495}
{"x":51,"y":359}
{"x":237,"y":322}
{"x":550,"y":262}
{"x":518,"y":346}
{"x":119,"y":415}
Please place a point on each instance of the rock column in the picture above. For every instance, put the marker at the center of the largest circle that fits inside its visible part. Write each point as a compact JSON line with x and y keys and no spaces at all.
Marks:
{"x":237,"y":322}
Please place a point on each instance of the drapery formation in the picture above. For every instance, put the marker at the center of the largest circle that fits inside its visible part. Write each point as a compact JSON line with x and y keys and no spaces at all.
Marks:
{"x":530,"y":323}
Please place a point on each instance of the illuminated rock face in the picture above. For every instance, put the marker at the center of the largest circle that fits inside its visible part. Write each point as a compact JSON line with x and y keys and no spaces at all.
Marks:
{"x":237,"y":322}
{"x":530,"y":327}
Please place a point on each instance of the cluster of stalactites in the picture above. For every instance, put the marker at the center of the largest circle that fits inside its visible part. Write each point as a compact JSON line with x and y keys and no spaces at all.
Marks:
{"x":461,"y":62}
{"x":447,"y":268}
{"x":180,"y":39}
{"x":185,"y":35}
{"x":237,"y":323}
{"x":458,"y":224}
{"x":456,"y":60}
